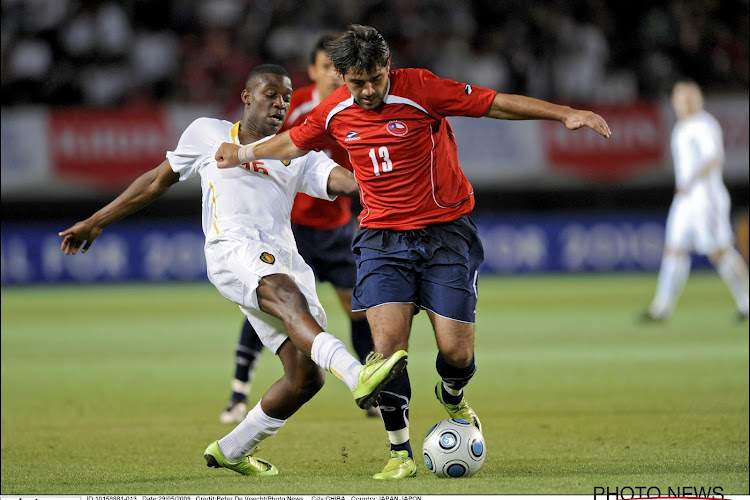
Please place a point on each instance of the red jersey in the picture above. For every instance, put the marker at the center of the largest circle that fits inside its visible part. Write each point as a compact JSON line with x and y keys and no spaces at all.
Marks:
{"x":403,"y":152}
{"x":309,"y":211}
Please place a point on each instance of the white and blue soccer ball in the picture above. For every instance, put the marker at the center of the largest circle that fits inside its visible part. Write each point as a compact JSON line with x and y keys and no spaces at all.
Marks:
{"x":454,"y":448}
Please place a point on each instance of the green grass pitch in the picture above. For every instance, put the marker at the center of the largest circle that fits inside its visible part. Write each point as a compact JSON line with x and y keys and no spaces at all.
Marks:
{"x":118,"y":389}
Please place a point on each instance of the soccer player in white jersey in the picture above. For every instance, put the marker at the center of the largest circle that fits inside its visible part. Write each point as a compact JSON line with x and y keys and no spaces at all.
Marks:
{"x":324,"y":235}
{"x":252,"y":259}
{"x":698,"y":219}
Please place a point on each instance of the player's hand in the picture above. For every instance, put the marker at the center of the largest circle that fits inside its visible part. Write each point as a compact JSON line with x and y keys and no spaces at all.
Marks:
{"x":74,"y":236}
{"x":578,"y":118}
{"x":226,"y":155}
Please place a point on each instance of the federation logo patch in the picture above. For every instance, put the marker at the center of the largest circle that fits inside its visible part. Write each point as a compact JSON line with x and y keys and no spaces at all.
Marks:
{"x":267,"y":258}
{"x":397,"y":128}
{"x":467,"y":89}
{"x":286,"y":163}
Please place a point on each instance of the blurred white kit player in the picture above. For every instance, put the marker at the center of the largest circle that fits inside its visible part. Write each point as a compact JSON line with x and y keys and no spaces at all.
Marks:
{"x":699,"y":217}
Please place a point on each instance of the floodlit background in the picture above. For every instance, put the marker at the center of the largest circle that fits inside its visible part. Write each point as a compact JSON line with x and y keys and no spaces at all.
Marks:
{"x":128,"y":349}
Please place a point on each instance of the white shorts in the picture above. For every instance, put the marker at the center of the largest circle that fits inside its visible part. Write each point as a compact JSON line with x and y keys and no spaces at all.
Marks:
{"x":237,"y":262}
{"x":698,"y":227}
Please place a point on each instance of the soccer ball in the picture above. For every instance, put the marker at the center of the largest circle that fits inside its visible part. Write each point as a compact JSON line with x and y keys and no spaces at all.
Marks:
{"x":454,"y":448}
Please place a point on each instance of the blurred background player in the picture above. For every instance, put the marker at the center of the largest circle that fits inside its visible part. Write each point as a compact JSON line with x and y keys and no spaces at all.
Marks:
{"x":417,"y":247}
{"x":252,"y":259}
{"x":698,"y":218}
{"x":324,"y":235}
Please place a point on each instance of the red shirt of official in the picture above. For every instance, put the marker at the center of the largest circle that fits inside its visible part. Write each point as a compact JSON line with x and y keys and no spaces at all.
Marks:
{"x":309,"y":211}
{"x":403,"y":152}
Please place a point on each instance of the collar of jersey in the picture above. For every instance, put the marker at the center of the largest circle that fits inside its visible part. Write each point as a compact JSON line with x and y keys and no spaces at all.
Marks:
{"x":387,"y":91}
{"x":236,"y":136}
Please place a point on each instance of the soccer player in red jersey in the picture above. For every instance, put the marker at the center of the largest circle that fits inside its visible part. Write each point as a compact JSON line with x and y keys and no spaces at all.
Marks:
{"x":416,"y":247}
{"x":323,"y":233}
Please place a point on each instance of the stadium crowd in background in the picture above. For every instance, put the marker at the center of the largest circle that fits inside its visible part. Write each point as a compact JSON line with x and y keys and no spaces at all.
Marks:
{"x":106,"y":52}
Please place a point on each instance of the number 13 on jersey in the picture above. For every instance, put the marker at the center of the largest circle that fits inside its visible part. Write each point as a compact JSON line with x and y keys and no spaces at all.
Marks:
{"x":386,"y":165}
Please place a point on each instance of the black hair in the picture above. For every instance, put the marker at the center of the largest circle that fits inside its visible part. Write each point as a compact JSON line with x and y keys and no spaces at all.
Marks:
{"x":359,"y":48}
{"x":264,"y":69}
{"x":321,"y":45}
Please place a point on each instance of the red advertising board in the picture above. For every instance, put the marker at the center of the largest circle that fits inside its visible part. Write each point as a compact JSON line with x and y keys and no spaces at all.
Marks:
{"x":639,"y":142}
{"x":107,"y":148}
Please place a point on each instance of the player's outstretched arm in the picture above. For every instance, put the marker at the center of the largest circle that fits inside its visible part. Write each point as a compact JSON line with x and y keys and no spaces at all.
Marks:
{"x":341,"y":182}
{"x":518,"y":107}
{"x":280,"y":147}
{"x":145,"y":189}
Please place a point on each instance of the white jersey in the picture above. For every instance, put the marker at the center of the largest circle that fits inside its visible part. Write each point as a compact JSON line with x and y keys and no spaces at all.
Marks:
{"x":258,"y":196}
{"x":696,"y":141}
{"x":246,"y":220}
{"x":699,"y":216}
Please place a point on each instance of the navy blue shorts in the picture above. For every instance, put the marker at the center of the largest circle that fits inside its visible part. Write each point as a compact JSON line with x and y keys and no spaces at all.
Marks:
{"x":435,"y":268}
{"x":329,"y":253}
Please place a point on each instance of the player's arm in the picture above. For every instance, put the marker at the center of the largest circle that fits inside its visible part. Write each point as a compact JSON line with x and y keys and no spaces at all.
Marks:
{"x":518,"y":107}
{"x":702,"y":173}
{"x":341,"y":182}
{"x":145,"y":189}
{"x":280,"y":147}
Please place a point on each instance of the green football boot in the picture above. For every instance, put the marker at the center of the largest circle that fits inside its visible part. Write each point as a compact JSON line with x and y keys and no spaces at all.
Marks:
{"x":400,"y":466}
{"x":374,"y":374}
{"x":462,"y":410}
{"x":248,"y":466}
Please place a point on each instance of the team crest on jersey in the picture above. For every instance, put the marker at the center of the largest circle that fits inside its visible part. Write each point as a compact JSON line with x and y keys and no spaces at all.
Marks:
{"x":397,"y":128}
{"x":467,"y":89}
{"x":267,"y":258}
{"x":286,"y":163}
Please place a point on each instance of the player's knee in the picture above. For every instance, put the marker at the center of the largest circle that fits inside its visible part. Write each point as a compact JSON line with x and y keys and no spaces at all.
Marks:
{"x":674,"y":251}
{"x":458,"y":356}
{"x":280,"y":296}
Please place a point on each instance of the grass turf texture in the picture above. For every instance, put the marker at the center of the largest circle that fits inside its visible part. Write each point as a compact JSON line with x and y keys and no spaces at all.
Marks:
{"x":118,"y":390}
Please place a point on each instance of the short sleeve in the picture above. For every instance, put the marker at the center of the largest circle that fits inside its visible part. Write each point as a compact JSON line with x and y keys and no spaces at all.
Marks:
{"x":314,"y":181}
{"x":311,"y":133}
{"x":451,"y":98}
{"x":710,"y":141}
{"x":194,"y":146}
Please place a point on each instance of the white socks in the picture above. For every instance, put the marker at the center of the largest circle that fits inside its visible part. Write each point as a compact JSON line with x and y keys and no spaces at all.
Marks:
{"x":731,"y":267}
{"x":673,"y":274}
{"x":400,"y":436}
{"x":331,"y":354}
{"x":450,"y":391}
{"x":256,"y":427}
